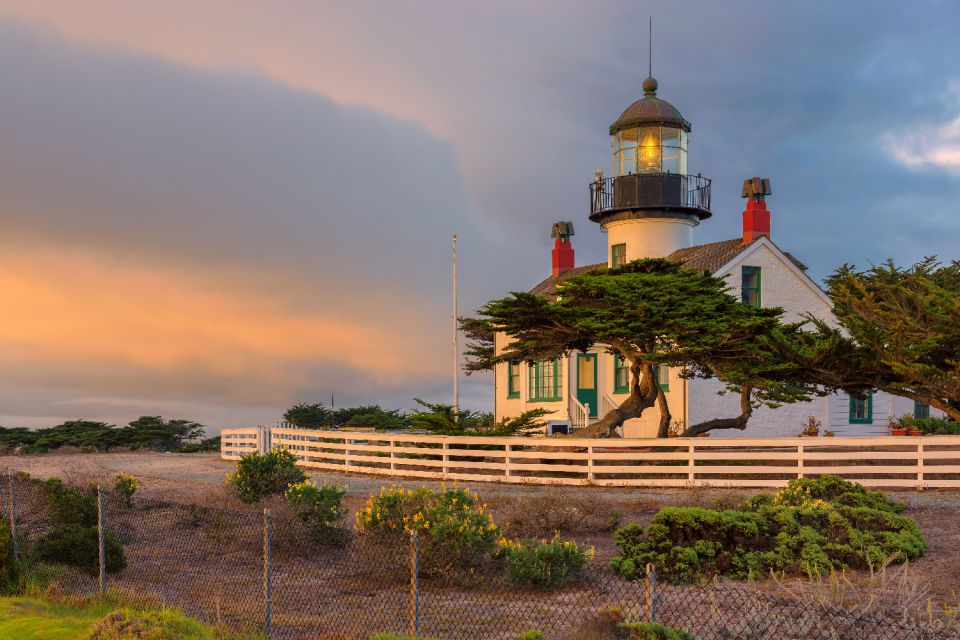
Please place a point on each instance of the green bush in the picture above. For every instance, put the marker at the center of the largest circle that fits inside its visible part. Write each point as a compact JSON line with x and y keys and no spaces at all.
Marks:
{"x":650,"y":631}
{"x":530,"y":635}
{"x":456,"y":534}
{"x":79,"y":547}
{"x":320,"y":509}
{"x":809,"y":527}
{"x":259,"y":475}
{"x":71,"y":506}
{"x":544,"y":564}
{"x":11,"y":569}
{"x":126,"y":484}
{"x":937,"y":426}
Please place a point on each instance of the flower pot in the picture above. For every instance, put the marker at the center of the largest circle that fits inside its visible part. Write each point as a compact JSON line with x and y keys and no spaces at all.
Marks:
{"x":705,"y":434}
{"x":898,"y":432}
{"x":914,"y":432}
{"x":673,"y":435}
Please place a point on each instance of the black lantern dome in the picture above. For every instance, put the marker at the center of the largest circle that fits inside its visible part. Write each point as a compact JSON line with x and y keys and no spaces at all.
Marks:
{"x":650,"y":176}
{"x":650,"y":110}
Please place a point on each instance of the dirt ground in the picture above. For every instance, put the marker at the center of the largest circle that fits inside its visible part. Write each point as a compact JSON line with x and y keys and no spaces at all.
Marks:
{"x":529,"y":509}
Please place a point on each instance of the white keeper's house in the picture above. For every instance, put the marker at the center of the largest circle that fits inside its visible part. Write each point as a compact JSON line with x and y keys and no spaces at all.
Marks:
{"x":650,"y":208}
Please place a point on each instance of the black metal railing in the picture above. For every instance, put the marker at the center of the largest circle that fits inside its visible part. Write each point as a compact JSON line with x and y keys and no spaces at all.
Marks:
{"x":650,"y":191}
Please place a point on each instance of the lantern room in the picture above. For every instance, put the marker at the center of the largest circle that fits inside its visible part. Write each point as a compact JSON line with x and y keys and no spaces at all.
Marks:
{"x":650,"y":136}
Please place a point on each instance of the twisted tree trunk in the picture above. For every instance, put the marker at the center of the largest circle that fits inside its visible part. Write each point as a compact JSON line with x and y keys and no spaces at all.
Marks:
{"x":740,"y":422}
{"x":643,"y":395}
{"x":664,"y":429}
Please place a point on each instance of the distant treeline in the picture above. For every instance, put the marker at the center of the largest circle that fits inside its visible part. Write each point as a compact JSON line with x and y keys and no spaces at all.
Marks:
{"x":146,"y":432}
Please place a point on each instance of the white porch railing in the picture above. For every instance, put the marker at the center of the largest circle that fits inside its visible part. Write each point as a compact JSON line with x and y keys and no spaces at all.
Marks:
{"x":579,"y":414}
{"x":607,"y":403}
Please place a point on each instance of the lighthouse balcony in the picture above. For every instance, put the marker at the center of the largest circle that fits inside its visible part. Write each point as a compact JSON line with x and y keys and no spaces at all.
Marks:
{"x":652,"y":194}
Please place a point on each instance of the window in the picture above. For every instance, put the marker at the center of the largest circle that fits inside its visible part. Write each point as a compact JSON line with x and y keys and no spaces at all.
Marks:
{"x":921,"y":409}
{"x":750,"y":288}
{"x":663,"y":377}
{"x":621,"y":375}
{"x":861,"y":410}
{"x":618,"y":255}
{"x":545,"y":380}
{"x":513,"y":379}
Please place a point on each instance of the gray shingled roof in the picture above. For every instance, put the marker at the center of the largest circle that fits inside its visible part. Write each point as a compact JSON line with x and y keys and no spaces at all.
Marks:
{"x":703,"y":257}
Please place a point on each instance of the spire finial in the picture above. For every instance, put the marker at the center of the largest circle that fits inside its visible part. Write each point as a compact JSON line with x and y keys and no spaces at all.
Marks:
{"x":650,"y":84}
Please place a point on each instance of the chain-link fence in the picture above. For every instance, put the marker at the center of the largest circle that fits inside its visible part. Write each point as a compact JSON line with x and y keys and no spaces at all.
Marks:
{"x":252,"y":570}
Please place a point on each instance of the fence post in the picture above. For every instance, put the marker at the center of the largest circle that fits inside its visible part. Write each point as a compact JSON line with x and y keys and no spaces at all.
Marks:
{"x":800,"y":460}
{"x":920,"y":465}
{"x":691,"y":473}
{"x":414,"y":585}
{"x":100,"y":542}
{"x":652,"y":592}
{"x":589,"y":463}
{"x":446,"y":457}
{"x":506,"y":460}
{"x":13,"y":516}
{"x":267,"y":595}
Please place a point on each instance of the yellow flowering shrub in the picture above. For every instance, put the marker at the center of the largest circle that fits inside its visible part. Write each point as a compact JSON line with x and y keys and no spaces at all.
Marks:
{"x":126,"y":484}
{"x":455,"y":532}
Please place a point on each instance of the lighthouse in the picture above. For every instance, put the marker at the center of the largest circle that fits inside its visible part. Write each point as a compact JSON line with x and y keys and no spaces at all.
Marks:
{"x":650,"y":204}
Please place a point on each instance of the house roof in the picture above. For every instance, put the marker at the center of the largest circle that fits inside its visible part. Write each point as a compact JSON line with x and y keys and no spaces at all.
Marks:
{"x":702,"y":257}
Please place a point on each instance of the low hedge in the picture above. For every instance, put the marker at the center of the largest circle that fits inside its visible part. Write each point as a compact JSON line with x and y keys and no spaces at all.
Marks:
{"x":809,"y":527}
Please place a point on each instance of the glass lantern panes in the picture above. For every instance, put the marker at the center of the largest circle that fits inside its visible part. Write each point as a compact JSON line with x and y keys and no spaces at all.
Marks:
{"x":650,"y":149}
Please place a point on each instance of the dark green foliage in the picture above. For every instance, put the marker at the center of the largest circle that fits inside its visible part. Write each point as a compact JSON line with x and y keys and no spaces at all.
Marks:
{"x":809,"y":527}
{"x":650,"y":631}
{"x":320,"y":509}
{"x":544,"y":564}
{"x":204,"y":446}
{"x":439,"y":419}
{"x":71,"y":507}
{"x":79,"y":547}
{"x":309,"y":416}
{"x":370,"y":416}
{"x":259,"y":475}
{"x":937,"y":426}
{"x":146,"y":432}
{"x":11,"y":569}
{"x":902,"y":330}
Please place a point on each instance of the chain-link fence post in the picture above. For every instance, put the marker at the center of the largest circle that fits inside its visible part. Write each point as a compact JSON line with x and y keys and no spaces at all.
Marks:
{"x":13,"y":516}
{"x":652,"y":591}
{"x":100,"y":542}
{"x":414,"y":585}
{"x":267,"y":595}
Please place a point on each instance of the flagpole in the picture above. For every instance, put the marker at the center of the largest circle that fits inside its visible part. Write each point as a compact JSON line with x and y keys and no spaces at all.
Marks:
{"x":456,"y":351}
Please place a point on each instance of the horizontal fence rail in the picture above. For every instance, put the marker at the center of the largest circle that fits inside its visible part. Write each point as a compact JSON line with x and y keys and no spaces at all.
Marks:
{"x":912,"y":462}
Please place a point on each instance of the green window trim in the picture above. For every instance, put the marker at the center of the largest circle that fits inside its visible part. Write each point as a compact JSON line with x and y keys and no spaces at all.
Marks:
{"x":868,"y":410}
{"x":621,"y":370}
{"x":618,"y":255}
{"x":544,"y":378}
{"x":750,"y":286}
{"x":513,"y":379}
{"x":921,"y":410}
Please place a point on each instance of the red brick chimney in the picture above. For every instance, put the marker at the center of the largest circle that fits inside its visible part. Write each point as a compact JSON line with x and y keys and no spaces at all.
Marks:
{"x":756,"y":217}
{"x":562,"y":248}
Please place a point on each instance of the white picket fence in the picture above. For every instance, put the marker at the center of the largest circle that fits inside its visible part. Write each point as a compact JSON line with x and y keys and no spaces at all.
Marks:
{"x":916,"y":462}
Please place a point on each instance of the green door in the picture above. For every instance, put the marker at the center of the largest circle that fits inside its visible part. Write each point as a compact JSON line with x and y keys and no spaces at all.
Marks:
{"x":587,"y":381}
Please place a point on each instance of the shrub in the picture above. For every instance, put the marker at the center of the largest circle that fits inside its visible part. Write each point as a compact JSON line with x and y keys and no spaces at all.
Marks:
{"x":650,"y":631}
{"x":320,"y":509}
{"x":544,"y":564}
{"x":71,"y":506}
{"x":259,"y":475}
{"x":937,"y":426}
{"x":152,"y":624}
{"x":11,"y":569}
{"x":126,"y":484}
{"x":80,"y":547}
{"x":530,"y":635}
{"x":456,"y":534}
{"x":809,"y":527}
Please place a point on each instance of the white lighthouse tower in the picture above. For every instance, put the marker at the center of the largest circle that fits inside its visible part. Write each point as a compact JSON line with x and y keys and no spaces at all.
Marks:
{"x":650,"y":205}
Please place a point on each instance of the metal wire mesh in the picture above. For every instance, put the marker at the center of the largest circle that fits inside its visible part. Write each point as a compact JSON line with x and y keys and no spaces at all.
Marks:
{"x":210,"y":562}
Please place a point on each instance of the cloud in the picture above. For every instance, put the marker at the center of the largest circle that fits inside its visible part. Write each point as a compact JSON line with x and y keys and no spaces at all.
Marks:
{"x":927,"y":146}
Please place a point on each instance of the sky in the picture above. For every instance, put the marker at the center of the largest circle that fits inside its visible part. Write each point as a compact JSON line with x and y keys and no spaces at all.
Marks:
{"x":214,"y":210}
